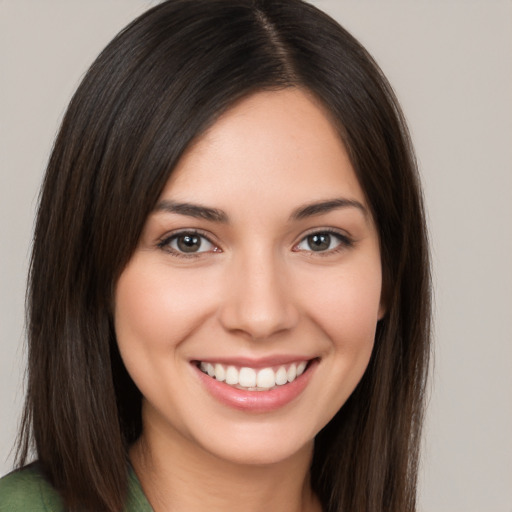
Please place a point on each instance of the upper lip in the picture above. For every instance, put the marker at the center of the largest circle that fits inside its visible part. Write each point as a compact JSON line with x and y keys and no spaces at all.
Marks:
{"x":263,"y":362}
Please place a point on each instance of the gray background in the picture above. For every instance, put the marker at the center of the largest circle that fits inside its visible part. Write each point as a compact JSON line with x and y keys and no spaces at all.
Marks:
{"x":450,"y":63}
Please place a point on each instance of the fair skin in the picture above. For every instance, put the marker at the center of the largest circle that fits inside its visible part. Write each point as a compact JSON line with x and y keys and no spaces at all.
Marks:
{"x":261,"y":261}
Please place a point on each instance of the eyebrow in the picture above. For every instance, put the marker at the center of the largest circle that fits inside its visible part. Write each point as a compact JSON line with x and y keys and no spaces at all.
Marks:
{"x":322,"y":207}
{"x":216,"y":215}
{"x":192,"y":210}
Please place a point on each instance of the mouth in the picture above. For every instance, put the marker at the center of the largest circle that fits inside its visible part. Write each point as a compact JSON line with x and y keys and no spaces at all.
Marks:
{"x":256,"y":386}
{"x":247,"y":378}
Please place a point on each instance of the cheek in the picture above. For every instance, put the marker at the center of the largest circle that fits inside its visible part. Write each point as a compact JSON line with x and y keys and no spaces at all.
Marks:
{"x":346,"y":308}
{"x":347,"y":305}
{"x":155,"y":311}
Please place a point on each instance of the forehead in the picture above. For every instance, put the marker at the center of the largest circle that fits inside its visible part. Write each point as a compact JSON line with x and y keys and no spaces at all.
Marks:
{"x":277,"y":146}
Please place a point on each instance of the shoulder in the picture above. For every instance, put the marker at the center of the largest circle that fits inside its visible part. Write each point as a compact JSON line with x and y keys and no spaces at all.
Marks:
{"x":27,"y":490}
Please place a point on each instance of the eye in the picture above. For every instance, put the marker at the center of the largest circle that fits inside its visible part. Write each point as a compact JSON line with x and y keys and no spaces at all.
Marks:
{"x":187,"y":243}
{"x":323,"y":241}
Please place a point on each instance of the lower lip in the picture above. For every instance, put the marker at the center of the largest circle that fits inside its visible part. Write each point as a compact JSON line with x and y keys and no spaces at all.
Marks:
{"x":257,"y":401}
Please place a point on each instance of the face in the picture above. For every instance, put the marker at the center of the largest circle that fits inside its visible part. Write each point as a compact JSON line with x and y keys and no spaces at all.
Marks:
{"x":247,"y":314}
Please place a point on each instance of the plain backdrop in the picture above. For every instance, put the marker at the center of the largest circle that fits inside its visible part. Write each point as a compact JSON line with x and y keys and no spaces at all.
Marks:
{"x":450,"y":63}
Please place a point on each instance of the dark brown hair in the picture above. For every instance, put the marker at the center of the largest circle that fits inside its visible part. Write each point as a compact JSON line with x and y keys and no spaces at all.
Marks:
{"x":158,"y":85}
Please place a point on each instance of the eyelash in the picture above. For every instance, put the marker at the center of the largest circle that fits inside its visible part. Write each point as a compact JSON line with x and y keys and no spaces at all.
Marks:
{"x":165,"y":244}
{"x":345,"y":242}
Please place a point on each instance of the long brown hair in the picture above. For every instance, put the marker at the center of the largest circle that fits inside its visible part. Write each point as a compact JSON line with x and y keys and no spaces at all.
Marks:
{"x":158,"y":85}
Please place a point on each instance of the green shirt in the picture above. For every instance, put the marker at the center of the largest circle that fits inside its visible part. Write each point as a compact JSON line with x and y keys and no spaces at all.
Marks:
{"x":28,"y":491}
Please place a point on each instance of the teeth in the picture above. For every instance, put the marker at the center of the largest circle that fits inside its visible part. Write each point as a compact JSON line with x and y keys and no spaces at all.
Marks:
{"x":252,"y":379}
{"x":266,"y":378}
{"x":232,"y":376}
{"x":220,"y":373}
{"x":247,"y":378}
{"x":281,"y":376}
{"x":292,"y":373}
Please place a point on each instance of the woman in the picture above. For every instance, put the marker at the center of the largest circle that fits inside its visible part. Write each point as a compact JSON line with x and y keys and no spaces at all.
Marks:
{"x":229,"y":290}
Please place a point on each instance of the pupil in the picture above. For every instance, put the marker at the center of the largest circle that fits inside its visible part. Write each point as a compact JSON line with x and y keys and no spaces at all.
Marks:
{"x":319,"y":242}
{"x":189,"y":243}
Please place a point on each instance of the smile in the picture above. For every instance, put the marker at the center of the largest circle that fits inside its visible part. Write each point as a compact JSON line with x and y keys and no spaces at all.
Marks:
{"x":252,"y":379}
{"x":259,"y":387}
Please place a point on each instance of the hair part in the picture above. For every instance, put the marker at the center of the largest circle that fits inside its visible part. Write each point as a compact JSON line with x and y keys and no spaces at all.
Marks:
{"x":158,"y":86}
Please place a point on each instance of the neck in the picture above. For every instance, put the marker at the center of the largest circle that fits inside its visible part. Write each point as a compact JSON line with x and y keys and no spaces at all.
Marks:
{"x":177,"y":475}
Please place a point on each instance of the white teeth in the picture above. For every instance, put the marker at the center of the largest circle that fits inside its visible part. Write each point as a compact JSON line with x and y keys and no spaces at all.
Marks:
{"x":247,"y":378}
{"x":220,"y":373}
{"x":251,"y":379}
{"x":281,"y":376}
{"x":232,"y":376}
{"x":266,"y":378}
{"x":292,"y":373}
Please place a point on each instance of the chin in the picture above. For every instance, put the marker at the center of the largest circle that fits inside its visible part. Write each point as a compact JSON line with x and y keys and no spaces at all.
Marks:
{"x":258,"y":445}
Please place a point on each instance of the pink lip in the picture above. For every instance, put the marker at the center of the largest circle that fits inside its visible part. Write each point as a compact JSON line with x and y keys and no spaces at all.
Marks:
{"x":257,"y":401}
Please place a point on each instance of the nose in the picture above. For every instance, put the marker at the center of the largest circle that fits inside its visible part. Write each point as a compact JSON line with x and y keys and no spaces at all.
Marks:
{"x":259,"y":302}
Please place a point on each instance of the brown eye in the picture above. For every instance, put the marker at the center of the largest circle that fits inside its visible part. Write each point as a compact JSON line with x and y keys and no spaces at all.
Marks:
{"x":323,"y":241}
{"x":319,"y":242}
{"x":187,"y":243}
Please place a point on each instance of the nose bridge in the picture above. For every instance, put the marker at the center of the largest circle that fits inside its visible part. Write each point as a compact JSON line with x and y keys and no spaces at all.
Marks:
{"x":259,"y":301}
